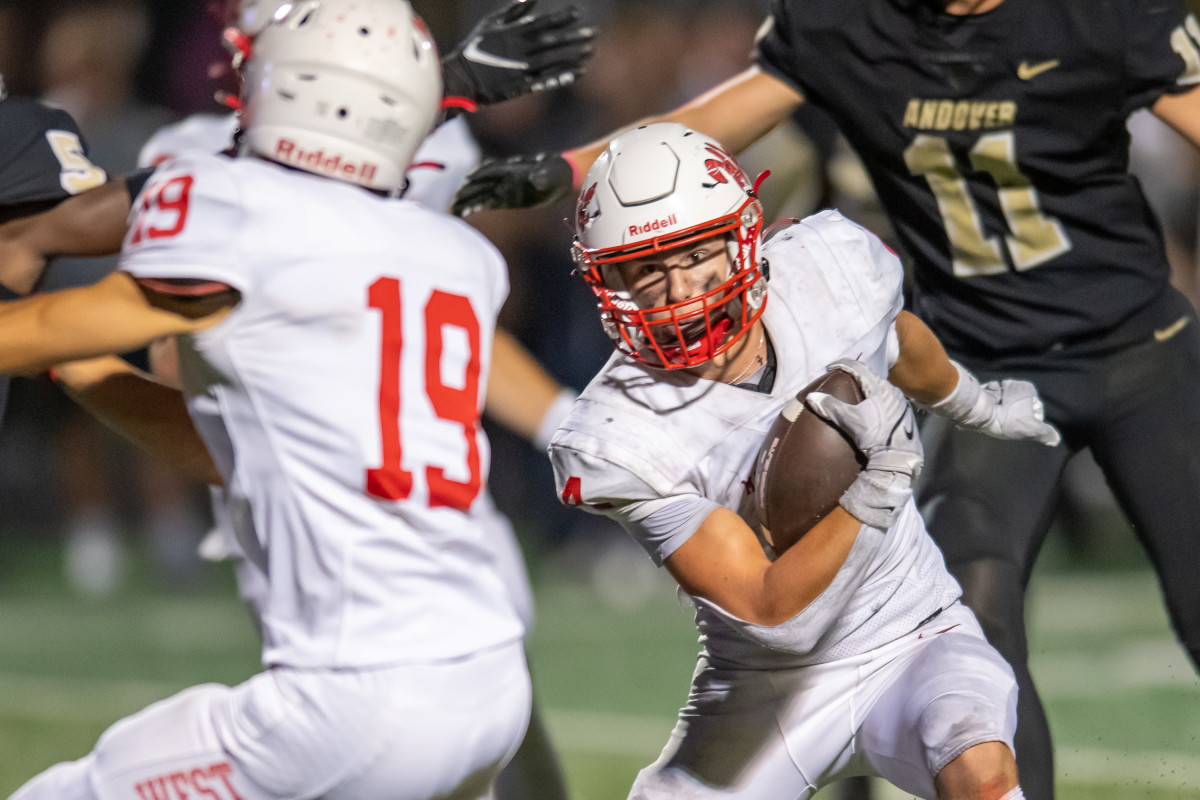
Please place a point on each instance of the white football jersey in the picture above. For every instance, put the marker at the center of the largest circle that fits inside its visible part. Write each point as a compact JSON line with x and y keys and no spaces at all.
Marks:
{"x":199,"y":133}
{"x":340,"y":401}
{"x":639,"y":439}
{"x":440,"y":166}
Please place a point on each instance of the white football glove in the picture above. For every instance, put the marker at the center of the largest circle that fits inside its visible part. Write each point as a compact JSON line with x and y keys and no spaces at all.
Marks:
{"x":1008,"y":409}
{"x":884,"y":428}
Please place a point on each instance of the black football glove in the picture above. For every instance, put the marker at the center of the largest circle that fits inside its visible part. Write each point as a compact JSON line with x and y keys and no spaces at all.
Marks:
{"x":514,"y":51}
{"x":515,"y":182}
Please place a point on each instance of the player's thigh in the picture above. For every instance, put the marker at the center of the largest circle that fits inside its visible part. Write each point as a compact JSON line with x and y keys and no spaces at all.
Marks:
{"x":397,"y":733}
{"x":726,"y":743}
{"x":167,"y":750}
{"x":986,"y":498}
{"x":461,"y":723}
{"x":70,"y":780}
{"x":764,"y":734}
{"x":1149,"y":450}
{"x":954,"y":692}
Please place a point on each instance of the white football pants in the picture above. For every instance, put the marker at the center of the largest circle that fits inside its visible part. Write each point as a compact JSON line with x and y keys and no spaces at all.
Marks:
{"x":407,"y":732}
{"x":902,"y":712}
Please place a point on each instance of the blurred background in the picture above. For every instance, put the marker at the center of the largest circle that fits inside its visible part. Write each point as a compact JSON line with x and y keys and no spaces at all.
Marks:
{"x":104,"y":605}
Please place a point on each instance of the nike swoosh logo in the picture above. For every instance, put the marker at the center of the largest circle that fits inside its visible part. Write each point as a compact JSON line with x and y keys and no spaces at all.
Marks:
{"x":908,"y":431}
{"x":473,"y":53}
{"x":938,"y":633}
{"x":1168,"y":332}
{"x":1027,"y":72}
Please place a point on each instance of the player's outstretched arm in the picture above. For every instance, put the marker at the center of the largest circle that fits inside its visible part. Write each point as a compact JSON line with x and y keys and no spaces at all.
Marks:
{"x":923,"y":371}
{"x":521,"y":395}
{"x":736,"y":113}
{"x":516,"y":51}
{"x":145,"y":411}
{"x":1181,"y":112}
{"x":1007,"y":409}
{"x":92,"y":223}
{"x":115,"y":315}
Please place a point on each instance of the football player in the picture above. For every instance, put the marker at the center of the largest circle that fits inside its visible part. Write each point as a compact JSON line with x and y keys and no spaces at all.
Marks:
{"x":994,"y":132}
{"x":849,"y":653}
{"x":520,"y":394}
{"x":43,"y":161}
{"x":335,"y":347}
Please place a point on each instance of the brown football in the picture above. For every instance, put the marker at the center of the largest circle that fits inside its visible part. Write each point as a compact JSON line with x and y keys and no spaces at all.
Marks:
{"x":805,"y":464}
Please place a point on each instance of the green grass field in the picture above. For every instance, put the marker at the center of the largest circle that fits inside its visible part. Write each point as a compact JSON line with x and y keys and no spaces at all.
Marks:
{"x":1123,"y":700}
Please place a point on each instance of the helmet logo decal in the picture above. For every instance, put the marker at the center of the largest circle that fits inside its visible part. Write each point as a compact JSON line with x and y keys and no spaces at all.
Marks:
{"x":721,"y":167}
{"x":287,"y":152}
{"x":585,"y":213}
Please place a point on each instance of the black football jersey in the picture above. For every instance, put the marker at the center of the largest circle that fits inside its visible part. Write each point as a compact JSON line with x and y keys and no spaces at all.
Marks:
{"x":998,"y":144}
{"x":42,"y":158}
{"x":42,"y":162}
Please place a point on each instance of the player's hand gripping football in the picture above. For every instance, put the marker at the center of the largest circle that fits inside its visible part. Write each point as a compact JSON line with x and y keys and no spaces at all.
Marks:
{"x":516,"y":182}
{"x":515,"y":51}
{"x":884,"y":428}
{"x":1008,"y":409}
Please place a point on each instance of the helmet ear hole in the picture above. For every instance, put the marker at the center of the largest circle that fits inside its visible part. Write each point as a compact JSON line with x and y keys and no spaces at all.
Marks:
{"x":302,"y":14}
{"x":301,"y":20}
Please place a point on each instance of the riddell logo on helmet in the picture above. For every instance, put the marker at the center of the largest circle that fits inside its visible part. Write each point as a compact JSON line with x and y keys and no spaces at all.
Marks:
{"x":653,"y":225}
{"x":287,"y":152}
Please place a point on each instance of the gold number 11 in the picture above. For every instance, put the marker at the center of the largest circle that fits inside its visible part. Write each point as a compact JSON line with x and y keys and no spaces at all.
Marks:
{"x":1034,"y":237}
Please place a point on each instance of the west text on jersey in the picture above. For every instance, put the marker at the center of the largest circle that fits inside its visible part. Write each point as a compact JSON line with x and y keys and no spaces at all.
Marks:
{"x":959,"y":115}
{"x":201,"y":783}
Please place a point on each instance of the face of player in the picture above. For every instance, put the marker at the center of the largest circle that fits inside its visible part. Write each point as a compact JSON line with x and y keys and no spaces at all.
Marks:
{"x":677,"y":276}
{"x":683,"y":297}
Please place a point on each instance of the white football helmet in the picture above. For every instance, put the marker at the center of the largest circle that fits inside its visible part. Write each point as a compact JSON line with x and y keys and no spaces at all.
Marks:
{"x":343,"y":88}
{"x":655,"y":189}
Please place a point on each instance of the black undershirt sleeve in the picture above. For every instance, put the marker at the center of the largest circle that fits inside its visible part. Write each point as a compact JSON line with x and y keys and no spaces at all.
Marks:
{"x":136,"y":181}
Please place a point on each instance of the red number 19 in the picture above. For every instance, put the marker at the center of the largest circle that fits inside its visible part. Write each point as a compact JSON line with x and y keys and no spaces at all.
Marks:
{"x":391,"y":481}
{"x":167,"y":203}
